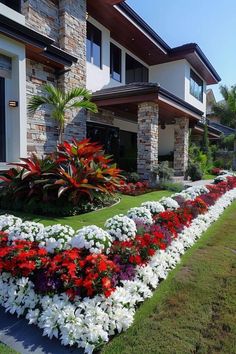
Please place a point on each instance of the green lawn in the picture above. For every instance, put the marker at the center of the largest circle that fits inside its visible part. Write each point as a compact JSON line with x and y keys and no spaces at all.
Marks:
{"x":193,"y":311}
{"x":208,"y":176}
{"x":6,"y":350}
{"x":98,"y":217}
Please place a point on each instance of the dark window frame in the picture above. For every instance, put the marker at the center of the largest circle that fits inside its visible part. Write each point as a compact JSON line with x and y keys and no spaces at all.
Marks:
{"x":94,"y":31}
{"x":144,"y":71}
{"x":196,"y":86}
{"x":114,"y":48}
{"x":13,"y":4}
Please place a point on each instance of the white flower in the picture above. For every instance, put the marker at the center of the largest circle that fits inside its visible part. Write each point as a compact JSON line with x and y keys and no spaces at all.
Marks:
{"x":169,"y":203}
{"x":92,"y":238}
{"x":140,"y":215}
{"x":56,"y":237}
{"x":8,"y":222}
{"x":153,"y":207}
{"x":28,"y":230}
{"x":121,"y":227}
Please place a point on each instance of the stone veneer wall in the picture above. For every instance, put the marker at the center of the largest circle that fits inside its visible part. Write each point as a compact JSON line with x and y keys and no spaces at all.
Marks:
{"x":72,"y":39}
{"x":147,"y":139}
{"x":41,"y":128}
{"x":65,"y":22}
{"x":181,"y":144}
{"x":42,"y":16}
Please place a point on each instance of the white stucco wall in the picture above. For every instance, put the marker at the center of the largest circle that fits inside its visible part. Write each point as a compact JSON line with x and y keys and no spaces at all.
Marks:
{"x":171,"y":76}
{"x":166,"y":140}
{"x":15,"y":87}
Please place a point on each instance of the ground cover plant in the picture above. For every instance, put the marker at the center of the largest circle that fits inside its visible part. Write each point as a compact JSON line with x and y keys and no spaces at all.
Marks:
{"x":97,"y":217}
{"x":77,"y":178}
{"x":101,"y":274}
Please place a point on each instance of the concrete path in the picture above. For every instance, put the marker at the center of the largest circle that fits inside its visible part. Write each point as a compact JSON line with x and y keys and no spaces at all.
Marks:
{"x":27,"y":339}
{"x":202,"y":182}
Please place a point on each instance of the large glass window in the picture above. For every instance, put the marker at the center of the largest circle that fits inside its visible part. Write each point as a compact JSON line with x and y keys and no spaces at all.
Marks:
{"x":115,"y":62}
{"x":13,"y":4}
{"x":94,"y":45}
{"x":196,"y":86}
{"x":135,"y":71}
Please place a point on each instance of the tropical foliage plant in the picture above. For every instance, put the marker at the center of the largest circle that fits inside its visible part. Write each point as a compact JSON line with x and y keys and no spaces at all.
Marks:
{"x":76,"y":173}
{"x":60,"y":102}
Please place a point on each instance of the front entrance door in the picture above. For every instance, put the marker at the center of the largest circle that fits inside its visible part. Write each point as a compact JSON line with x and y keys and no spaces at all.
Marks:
{"x":2,"y":121}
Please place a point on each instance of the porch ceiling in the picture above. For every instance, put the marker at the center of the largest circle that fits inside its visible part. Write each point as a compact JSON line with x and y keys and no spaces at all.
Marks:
{"x":124,"y":101}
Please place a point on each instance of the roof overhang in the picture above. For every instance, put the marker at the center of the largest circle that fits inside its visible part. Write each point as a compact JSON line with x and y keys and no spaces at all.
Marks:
{"x":130,"y":30}
{"x":213,"y":133}
{"x":126,"y":99}
{"x":38,"y":46}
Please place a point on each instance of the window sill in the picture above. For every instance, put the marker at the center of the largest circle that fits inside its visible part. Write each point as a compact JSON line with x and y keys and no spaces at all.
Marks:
{"x":12,"y":14}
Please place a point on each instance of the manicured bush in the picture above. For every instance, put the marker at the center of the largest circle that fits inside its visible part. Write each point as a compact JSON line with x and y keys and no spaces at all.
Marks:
{"x":171,"y":186}
{"x":75,"y":178}
{"x":195,"y":172}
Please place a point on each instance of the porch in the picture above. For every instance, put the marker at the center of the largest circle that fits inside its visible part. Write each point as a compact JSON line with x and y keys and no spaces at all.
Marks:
{"x":141,"y":124}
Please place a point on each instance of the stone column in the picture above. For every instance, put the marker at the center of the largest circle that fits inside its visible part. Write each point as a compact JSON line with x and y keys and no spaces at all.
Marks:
{"x":147,"y":139}
{"x":72,"y":39}
{"x":181,"y":144}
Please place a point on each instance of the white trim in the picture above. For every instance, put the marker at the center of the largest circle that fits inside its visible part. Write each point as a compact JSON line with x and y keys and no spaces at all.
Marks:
{"x":12,"y":14}
{"x":15,"y":89}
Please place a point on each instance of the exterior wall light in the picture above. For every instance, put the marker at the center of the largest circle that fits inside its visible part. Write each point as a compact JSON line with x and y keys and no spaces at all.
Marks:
{"x":13,"y":104}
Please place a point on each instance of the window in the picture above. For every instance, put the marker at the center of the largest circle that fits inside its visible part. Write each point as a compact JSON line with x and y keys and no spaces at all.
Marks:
{"x":135,"y":71}
{"x":115,"y":62}
{"x":94,"y":43}
{"x":13,"y":4}
{"x":196,"y":86}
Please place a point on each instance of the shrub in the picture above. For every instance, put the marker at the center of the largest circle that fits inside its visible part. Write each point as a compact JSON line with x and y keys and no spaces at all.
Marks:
{"x":77,"y":173}
{"x":171,"y":186}
{"x":195,"y":172}
{"x":131,"y":177}
{"x":164,"y":172}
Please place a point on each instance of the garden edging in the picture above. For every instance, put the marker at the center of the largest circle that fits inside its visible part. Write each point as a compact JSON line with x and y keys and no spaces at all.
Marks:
{"x":90,"y":322}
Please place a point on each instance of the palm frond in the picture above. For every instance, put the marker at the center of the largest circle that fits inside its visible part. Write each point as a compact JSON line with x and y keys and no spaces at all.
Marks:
{"x":35,"y":102}
{"x":90,"y":106}
{"x":78,"y":92}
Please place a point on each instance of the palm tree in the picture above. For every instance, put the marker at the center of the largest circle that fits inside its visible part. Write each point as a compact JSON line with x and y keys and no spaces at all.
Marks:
{"x":226,"y":110}
{"x":61,"y":102}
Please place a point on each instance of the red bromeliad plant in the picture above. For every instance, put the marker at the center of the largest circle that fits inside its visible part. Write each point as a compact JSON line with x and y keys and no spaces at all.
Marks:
{"x":78,"y":170}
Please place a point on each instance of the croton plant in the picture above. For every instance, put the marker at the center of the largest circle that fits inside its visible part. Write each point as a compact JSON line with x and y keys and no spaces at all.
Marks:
{"x":76,"y":171}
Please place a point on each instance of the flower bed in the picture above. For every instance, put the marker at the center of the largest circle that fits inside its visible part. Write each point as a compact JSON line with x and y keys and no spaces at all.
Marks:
{"x":134,"y":189}
{"x":84,"y":286}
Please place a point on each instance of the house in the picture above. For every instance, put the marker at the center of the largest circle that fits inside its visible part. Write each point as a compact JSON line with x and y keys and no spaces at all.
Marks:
{"x":214,"y":121}
{"x":149,"y":95}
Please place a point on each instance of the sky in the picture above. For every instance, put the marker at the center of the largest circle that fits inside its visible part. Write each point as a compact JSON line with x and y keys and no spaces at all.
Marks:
{"x":209,"y":23}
